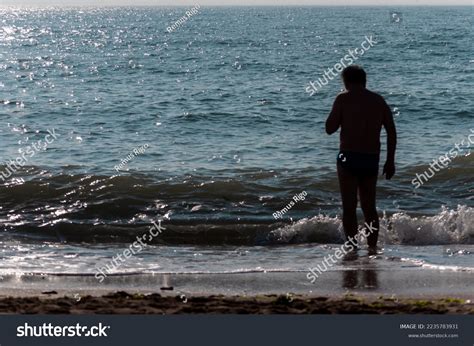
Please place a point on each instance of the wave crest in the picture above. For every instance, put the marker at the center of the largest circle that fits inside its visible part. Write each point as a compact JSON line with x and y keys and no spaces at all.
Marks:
{"x":447,"y":227}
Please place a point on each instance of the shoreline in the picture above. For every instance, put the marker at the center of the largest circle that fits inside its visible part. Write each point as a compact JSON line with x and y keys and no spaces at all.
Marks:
{"x":358,"y":291}
{"x":368,"y":280}
{"x":365,"y":280}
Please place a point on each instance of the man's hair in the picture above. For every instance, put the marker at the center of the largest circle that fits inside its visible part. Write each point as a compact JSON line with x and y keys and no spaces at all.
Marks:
{"x":354,"y":74}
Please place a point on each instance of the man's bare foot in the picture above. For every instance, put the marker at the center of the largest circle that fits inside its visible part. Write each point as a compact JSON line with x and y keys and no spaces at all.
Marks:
{"x":372,"y":250}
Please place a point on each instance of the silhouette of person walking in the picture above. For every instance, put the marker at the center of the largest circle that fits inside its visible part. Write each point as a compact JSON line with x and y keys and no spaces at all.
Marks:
{"x":361,"y":113}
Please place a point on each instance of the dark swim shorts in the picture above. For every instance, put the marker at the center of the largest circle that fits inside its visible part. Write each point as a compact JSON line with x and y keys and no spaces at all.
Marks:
{"x":359,"y":164}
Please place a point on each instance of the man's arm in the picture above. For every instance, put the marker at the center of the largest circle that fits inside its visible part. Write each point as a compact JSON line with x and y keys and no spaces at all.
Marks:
{"x":335,"y":117}
{"x":389,"y":124}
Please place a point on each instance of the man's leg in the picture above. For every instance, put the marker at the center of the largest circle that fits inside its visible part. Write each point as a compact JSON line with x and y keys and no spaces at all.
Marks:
{"x":367,"y":195}
{"x":348,"y":186}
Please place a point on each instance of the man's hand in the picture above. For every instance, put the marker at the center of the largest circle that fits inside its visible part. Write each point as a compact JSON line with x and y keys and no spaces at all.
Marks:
{"x":389,"y":169}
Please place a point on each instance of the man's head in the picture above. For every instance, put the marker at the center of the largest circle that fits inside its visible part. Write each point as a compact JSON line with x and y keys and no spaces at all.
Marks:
{"x":354,"y":76}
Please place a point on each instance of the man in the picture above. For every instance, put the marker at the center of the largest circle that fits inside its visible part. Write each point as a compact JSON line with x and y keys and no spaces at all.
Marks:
{"x":361,"y":114}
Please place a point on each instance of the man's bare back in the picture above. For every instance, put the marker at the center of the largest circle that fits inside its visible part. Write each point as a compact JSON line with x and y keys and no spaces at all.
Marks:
{"x":361,"y":114}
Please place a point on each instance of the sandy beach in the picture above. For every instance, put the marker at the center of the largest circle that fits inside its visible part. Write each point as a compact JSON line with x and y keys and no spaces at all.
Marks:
{"x":125,"y":303}
{"x":355,"y":292}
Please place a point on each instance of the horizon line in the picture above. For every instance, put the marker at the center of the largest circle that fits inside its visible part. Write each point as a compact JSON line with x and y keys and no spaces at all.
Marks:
{"x":258,"y":5}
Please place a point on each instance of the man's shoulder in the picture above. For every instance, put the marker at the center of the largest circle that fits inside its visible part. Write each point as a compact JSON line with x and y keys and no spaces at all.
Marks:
{"x":375,"y":95}
{"x":342,"y":95}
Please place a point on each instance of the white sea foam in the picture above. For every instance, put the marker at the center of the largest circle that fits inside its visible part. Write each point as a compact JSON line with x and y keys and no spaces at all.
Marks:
{"x":447,"y":227}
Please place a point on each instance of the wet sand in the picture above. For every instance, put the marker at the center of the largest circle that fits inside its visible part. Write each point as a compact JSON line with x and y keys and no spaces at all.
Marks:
{"x":349,"y":291}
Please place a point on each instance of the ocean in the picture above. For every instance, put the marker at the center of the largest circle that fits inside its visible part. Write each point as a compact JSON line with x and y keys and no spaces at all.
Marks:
{"x":209,"y":128}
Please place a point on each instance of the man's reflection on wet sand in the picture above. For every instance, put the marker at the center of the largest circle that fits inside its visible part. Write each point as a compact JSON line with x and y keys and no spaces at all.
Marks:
{"x":366,"y":276}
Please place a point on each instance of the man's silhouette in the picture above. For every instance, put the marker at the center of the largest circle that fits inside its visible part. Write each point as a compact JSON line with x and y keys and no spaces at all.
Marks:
{"x":361,"y":114}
